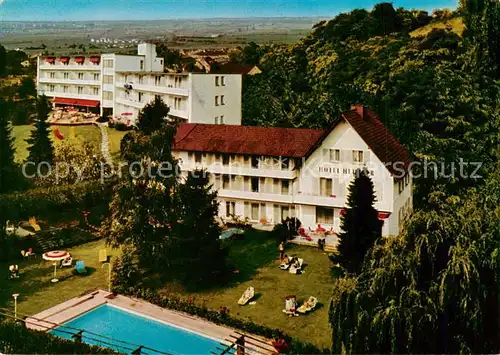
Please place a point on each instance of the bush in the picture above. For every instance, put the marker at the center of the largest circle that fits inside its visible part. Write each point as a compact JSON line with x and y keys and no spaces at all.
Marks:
{"x":222,"y":317}
{"x":16,"y":339}
{"x":63,"y":238}
{"x":122,"y":127}
{"x":102,"y":119}
{"x":20,"y":117}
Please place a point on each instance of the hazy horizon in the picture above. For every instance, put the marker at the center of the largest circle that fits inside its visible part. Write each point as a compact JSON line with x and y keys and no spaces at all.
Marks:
{"x":158,"y":10}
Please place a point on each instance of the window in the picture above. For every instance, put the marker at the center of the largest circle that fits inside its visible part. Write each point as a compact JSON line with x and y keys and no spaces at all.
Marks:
{"x":255,"y":184}
{"x":142,"y":64}
{"x":177,"y":103}
{"x":157,"y":97}
{"x":334,"y":155}
{"x":52,"y":75}
{"x":230,"y":208}
{"x":65,"y":88}
{"x":140,"y":95}
{"x":95,"y":91}
{"x":285,"y":164}
{"x":80,"y":89}
{"x":225,"y":182}
{"x":357,"y":156}
{"x":107,"y":95}
{"x":285,"y":212}
{"x":51,"y":88}
{"x":225,"y":159}
{"x":324,"y":215}
{"x":222,"y":119}
{"x":222,"y":81}
{"x":222,"y":100}
{"x":197,"y":157}
{"x":216,"y":81}
{"x":96,"y":76}
{"x":177,"y":81}
{"x":108,"y":79}
{"x":80,"y":76}
{"x":325,"y":187}
{"x":108,"y":63}
{"x":255,"y":162}
{"x":216,"y":120}
{"x":157,"y":80}
{"x":285,"y":187}
{"x":217,"y":101}
{"x":66,"y":76}
{"x":141,"y":79}
{"x":255,"y":212}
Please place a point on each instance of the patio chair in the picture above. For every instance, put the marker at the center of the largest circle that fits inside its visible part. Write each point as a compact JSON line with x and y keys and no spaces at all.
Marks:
{"x":308,"y":305}
{"x":247,"y":296}
{"x":103,"y":255}
{"x":296,"y":267}
{"x":80,"y":267}
{"x":67,"y":262}
{"x":34,"y":224}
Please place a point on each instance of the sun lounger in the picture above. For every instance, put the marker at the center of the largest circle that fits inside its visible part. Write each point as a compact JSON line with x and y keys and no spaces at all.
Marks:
{"x":67,"y":262}
{"x":296,"y":267}
{"x":103,"y":255}
{"x":80,"y":267}
{"x":308,"y":306}
{"x":290,"y":306}
{"x":32,"y":222}
{"x":286,"y":263}
{"x":247,"y":296}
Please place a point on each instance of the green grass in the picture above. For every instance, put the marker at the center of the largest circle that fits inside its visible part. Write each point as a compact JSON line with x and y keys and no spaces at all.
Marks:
{"x":256,"y":257}
{"x":80,"y":134}
{"x":38,"y":293}
{"x":456,"y":24}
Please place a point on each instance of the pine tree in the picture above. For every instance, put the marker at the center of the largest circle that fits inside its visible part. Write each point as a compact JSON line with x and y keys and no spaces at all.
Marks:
{"x":200,"y":259}
{"x":152,"y":116}
{"x":8,"y":168}
{"x":41,"y":149}
{"x":360,"y":224}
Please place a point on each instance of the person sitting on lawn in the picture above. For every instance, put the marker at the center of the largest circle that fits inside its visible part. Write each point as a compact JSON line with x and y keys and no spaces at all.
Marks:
{"x":14,"y":272}
{"x":281,"y":249}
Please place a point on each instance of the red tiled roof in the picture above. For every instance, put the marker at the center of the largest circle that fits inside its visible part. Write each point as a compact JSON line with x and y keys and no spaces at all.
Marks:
{"x":382,"y":143}
{"x":233,"y":68}
{"x":251,"y":140}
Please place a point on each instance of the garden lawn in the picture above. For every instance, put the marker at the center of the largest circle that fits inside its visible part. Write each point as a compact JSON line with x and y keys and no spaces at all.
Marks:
{"x":256,"y":257}
{"x":115,"y":138}
{"x":38,"y":293}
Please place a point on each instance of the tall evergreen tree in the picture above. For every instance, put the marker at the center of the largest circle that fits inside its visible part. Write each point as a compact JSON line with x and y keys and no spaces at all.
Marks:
{"x":41,"y":148}
{"x":152,"y":116}
{"x":200,"y":259}
{"x":360,"y":224}
{"x":8,"y":168}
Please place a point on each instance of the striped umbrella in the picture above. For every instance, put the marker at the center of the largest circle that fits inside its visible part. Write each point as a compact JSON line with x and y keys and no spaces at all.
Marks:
{"x":55,"y":256}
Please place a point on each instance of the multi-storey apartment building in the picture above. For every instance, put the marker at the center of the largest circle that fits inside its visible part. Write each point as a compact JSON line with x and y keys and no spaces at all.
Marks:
{"x":271,"y":173}
{"x":121,"y":85}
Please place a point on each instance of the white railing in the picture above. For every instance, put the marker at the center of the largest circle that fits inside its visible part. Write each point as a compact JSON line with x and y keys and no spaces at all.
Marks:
{"x":235,"y":169}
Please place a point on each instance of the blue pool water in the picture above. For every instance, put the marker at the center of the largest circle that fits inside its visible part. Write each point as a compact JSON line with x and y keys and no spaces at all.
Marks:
{"x":125,"y":326}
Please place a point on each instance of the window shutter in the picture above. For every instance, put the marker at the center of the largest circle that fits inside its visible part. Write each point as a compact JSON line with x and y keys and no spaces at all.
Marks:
{"x":247,"y":210}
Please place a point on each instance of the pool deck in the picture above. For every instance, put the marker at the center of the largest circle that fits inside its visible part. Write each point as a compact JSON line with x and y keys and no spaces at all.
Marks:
{"x":75,"y":307}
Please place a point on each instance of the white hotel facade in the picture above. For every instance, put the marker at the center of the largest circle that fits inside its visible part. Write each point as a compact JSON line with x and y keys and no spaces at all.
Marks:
{"x":120,"y":86}
{"x":272,"y":173}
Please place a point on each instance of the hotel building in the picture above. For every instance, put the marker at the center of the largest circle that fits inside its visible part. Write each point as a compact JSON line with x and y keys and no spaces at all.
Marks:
{"x":120,"y":86}
{"x":272,"y":173}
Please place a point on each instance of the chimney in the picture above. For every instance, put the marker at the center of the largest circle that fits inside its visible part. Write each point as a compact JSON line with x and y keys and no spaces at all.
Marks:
{"x":360,"y":109}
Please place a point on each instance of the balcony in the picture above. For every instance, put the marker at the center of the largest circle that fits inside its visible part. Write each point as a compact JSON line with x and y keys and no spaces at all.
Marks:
{"x":70,"y":95}
{"x":218,"y":168}
{"x":255,"y":196}
{"x":157,"y":89}
{"x":70,"y":67}
{"x":70,"y":81}
{"x":130,"y":102}
{"x":315,"y":199}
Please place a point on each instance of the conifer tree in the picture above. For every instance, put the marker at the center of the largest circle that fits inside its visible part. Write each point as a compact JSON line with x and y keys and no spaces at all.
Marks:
{"x":360,"y":224}
{"x":41,"y":148}
{"x":152,"y":116}
{"x":8,"y":168}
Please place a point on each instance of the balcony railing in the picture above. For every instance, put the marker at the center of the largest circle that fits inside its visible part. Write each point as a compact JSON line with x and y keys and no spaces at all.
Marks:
{"x":235,"y":169}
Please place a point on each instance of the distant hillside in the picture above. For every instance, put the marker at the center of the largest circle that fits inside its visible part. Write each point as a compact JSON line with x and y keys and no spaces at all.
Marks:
{"x":455,"y":24}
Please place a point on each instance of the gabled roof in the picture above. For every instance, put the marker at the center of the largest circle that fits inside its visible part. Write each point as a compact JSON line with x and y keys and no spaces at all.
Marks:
{"x":251,"y":140}
{"x":291,"y":142}
{"x":233,"y":68}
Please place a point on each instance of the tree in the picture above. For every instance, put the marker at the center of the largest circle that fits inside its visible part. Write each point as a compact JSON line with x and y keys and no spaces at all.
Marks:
{"x":200,"y":259}
{"x":152,"y":116}
{"x":360,"y":225}
{"x":8,"y":167}
{"x":3,"y":61}
{"x":27,"y":88}
{"x":41,"y":149}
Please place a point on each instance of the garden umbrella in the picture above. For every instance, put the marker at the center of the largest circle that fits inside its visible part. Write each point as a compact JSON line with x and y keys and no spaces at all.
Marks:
{"x":56,"y":255}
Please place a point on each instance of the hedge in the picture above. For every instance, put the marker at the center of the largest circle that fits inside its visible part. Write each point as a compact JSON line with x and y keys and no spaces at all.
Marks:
{"x":17,"y":339}
{"x":45,"y":202}
{"x":222,"y":317}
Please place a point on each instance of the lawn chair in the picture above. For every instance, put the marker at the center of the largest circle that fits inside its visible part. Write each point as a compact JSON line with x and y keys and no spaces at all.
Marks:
{"x":80,"y":267}
{"x":103,"y":255}
{"x":247,"y":296}
{"x":290,"y":306}
{"x":296,"y":267}
{"x":68,"y":262}
{"x":308,"y":306}
{"x":35,"y":225}
{"x":286,"y":263}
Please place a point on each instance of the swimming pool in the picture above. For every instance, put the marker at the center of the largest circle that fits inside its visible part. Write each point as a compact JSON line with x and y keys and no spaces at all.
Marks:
{"x":121,"y":325}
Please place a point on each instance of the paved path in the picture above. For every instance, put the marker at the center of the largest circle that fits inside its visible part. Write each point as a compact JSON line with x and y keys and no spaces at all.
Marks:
{"x":105,"y":143}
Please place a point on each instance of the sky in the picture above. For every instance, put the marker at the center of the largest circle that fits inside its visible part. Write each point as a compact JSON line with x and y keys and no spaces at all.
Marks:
{"x":93,"y":10}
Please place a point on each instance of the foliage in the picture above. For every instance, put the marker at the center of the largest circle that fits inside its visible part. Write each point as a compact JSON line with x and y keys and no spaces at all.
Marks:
{"x":152,"y":116}
{"x":125,"y":271}
{"x":249,"y":55}
{"x":223,"y":318}
{"x":171,"y":57}
{"x":27,"y":88}
{"x":287,"y":229}
{"x":63,"y":238}
{"x":17,"y":339}
{"x":41,"y":149}
{"x":3,"y":61}
{"x":8,"y":170}
{"x":20,"y":116}
{"x":199,"y":257}
{"x":360,"y":225}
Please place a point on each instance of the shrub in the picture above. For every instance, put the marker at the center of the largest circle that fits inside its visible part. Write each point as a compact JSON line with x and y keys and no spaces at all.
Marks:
{"x":16,"y":339}
{"x":102,"y":119}
{"x":63,"y":238}
{"x":122,"y":127}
